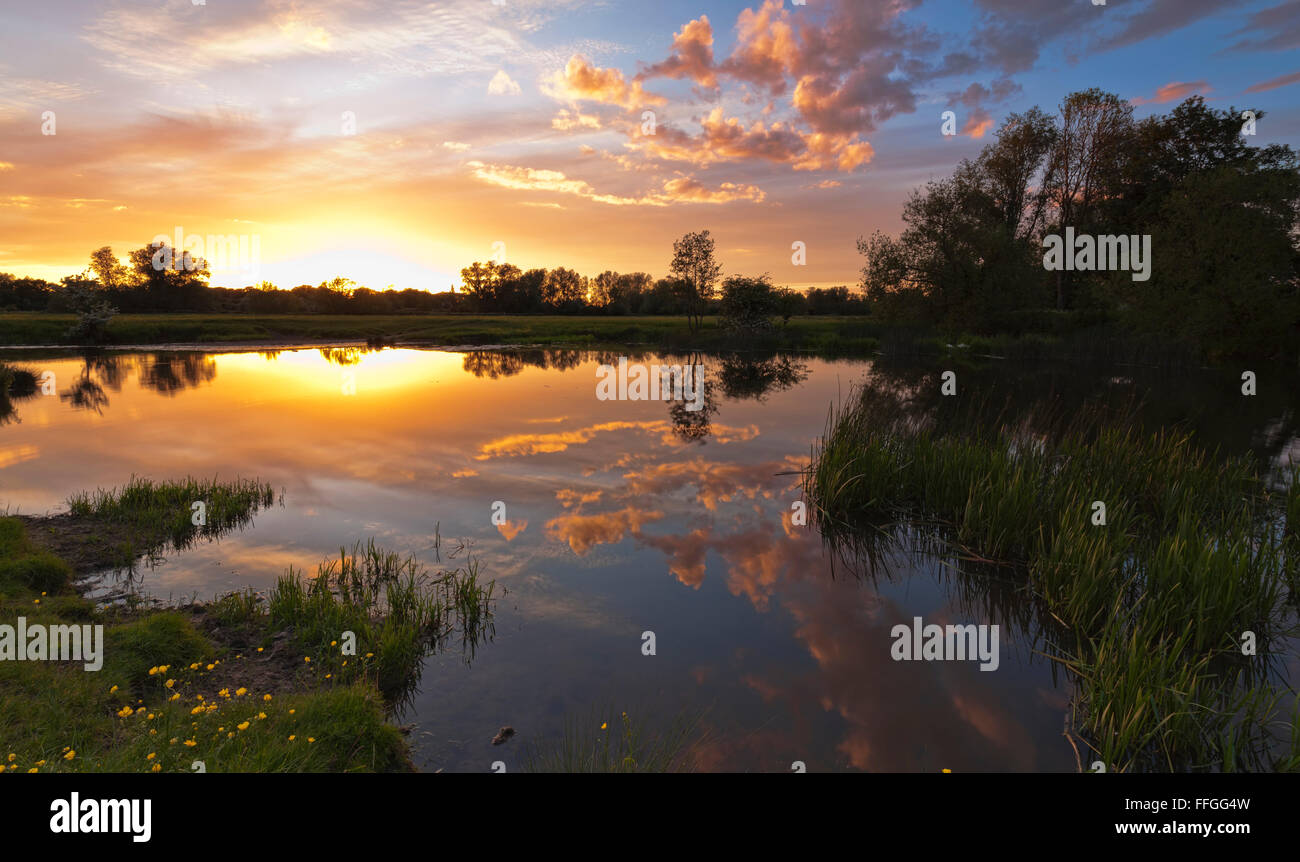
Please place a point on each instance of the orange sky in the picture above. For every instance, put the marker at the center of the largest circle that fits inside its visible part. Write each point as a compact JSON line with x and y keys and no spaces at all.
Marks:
{"x":394,"y":143}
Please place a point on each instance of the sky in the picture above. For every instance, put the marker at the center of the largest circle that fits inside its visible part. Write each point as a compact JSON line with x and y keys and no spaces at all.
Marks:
{"x":394,"y":142}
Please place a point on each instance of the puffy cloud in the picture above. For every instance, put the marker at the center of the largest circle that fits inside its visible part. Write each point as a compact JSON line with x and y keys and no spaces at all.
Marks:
{"x":503,"y":85}
{"x":691,"y":56}
{"x":723,"y":139}
{"x":581,"y":81}
{"x":510,"y":529}
{"x":583,"y":532}
{"x":977,"y":123}
{"x":690,"y":190}
{"x":766,"y":50}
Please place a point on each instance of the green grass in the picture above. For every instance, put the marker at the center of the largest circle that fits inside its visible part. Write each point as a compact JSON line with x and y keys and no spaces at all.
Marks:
{"x":606,"y":742}
{"x":396,"y":609}
{"x":1146,"y":611}
{"x":146,"y":515}
{"x":807,"y":332}
{"x":169,"y":690}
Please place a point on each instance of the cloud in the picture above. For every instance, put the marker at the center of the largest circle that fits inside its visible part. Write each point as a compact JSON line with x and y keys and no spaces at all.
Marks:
{"x":715,"y":483}
{"x":724,"y":139}
{"x":1159,"y":18}
{"x":405,"y":37}
{"x":502,"y":85}
{"x":581,"y":81}
{"x":583,"y":532}
{"x":567,"y":120}
{"x":1274,"y":83}
{"x":511,"y":529}
{"x":1174,"y":91}
{"x":455,"y":146}
{"x":691,"y":55}
{"x":1273,"y":29}
{"x":977,"y":123}
{"x":766,"y":49}
{"x":676,"y":190}
{"x":689,"y":190}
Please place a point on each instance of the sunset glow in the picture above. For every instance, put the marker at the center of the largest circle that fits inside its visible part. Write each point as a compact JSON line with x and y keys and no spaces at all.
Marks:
{"x":393,"y":143}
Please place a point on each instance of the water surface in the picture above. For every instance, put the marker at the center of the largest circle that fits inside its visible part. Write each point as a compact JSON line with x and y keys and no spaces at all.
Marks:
{"x":623,"y":517}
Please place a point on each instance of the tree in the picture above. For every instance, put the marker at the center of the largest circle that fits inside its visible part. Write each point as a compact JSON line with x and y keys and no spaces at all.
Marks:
{"x":480,"y":282}
{"x":695,"y":265}
{"x":109,"y":271}
{"x":1085,"y":166}
{"x":789,"y":303}
{"x":748,"y":304}
{"x":564,"y":289}
{"x":92,"y":310}
{"x":1011,"y":167}
{"x":168,"y":280}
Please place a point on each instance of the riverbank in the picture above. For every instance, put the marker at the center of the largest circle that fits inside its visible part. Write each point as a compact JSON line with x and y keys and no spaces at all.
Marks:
{"x":1065,"y":335}
{"x":303,"y":679}
{"x":44,"y":330}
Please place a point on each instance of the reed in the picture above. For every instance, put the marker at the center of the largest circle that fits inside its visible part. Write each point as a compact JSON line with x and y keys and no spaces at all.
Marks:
{"x":1147,"y":611}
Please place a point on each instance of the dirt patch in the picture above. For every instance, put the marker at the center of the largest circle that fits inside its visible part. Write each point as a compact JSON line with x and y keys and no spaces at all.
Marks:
{"x":89,"y":545}
{"x":277,"y":669}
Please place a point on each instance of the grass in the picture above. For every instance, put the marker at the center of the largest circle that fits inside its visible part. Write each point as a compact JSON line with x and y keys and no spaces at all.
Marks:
{"x":116,"y":526}
{"x":1146,"y":612}
{"x":178,"y":686}
{"x":607,"y":743}
{"x":168,"y":508}
{"x":35,"y":329}
{"x":390,"y":603}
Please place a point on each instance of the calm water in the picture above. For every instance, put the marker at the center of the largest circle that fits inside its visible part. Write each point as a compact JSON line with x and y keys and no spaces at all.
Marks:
{"x":623,"y":517}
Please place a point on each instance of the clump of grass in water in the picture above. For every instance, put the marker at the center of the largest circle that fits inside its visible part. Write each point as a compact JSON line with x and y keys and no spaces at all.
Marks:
{"x":605,"y":743}
{"x":1151,"y":606}
{"x":398,"y":610}
{"x":161,"y":511}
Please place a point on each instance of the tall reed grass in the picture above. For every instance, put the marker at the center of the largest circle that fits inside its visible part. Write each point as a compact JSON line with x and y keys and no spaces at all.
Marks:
{"x":1146,"y":612}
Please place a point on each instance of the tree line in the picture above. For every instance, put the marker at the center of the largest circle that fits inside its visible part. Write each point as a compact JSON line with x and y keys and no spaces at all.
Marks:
{"x":1223,"y":217}
{"x":138,"y":286}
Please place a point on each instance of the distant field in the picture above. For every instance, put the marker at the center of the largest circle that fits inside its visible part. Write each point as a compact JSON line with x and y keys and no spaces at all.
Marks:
{"x":38,"y":329}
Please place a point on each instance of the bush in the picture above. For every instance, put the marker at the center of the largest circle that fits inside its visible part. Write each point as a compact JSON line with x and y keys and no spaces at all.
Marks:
{"x":748,"y":304}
